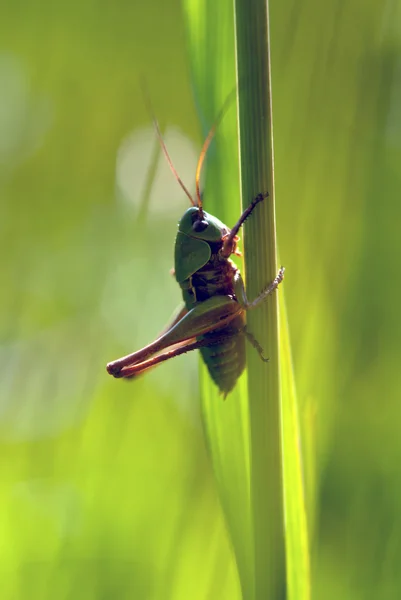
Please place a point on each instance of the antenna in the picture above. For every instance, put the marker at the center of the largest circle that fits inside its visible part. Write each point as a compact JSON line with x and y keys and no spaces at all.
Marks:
{"x":163,"y":145}
{"x":170,"y":162}
{"x":206,"y":146}
{"x":203,"y":152}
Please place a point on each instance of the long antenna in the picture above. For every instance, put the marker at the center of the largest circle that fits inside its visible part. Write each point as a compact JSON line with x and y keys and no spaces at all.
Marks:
{"x":201,"y":160}
{"x":202,"y":156}
{"x":206,"y":145}
{"x":163,"y":145}
{"x":170,"y":162}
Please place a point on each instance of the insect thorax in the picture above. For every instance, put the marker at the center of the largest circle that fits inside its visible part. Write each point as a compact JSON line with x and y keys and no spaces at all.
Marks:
{"x":215,"y":278}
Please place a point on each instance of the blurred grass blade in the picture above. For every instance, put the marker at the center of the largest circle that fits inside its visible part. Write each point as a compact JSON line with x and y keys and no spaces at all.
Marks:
{"x":225,"y":422}
{"x":296,"y":531}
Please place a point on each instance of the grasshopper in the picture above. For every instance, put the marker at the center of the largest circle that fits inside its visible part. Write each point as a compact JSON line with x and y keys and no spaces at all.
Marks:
{"x":213,"y":316}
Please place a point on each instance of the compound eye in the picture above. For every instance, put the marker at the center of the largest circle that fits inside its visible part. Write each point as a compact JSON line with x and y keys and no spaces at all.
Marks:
{"x":199,"y":225}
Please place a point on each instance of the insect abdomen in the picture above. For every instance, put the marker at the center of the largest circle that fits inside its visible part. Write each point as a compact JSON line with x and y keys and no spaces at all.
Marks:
{"x":224,"y":356}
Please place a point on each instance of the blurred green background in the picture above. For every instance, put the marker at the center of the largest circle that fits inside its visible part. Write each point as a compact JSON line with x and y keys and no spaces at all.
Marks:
{"x":106,"y":487}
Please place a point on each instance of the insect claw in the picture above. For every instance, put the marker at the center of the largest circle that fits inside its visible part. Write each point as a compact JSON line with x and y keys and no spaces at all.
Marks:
{"x":261,"y":196}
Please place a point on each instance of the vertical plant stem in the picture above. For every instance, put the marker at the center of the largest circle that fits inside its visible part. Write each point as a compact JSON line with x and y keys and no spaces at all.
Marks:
{"x":256,"y":164}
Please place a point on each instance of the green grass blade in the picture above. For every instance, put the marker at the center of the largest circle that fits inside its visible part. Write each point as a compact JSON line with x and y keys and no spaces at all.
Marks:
{"x":256,"y":163}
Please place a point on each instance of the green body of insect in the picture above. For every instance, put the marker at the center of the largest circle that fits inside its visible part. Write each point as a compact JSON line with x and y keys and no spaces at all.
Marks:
{"x":203,"y":273}
{"x":215,"y":303}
